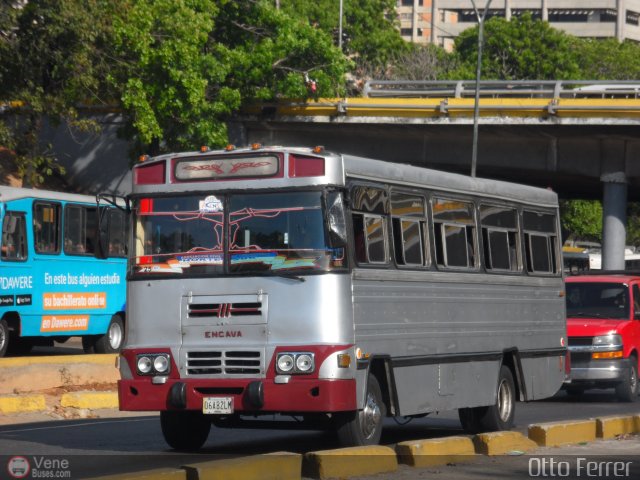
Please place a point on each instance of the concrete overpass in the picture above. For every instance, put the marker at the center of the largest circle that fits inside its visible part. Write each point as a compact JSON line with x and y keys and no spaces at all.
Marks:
{"x":581,"y":139}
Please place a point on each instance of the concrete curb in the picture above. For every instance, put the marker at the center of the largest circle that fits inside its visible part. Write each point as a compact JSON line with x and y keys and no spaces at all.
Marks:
{"x":23,"y":403}
{"x":90,"y":400}
{"x":349,"y":462}
{"x":610,"y":427}
{"x":161,"y":474}
{"x":270,"y":466}
{"x":563,"y":433}
{"x":499,"y":443}
{"x":439,"y":451}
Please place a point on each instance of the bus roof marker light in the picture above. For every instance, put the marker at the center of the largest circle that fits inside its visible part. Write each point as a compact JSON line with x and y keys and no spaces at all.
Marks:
{"x":318,"y":149}
{"x":204,"y":149}
{"x":230,"y":147}
{"x":143,"y":158}
{"x":256,"y":146}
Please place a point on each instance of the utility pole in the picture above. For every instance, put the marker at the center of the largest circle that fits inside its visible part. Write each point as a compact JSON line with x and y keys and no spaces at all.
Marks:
{"x":340,"y":28}
{"x":476,"y":105}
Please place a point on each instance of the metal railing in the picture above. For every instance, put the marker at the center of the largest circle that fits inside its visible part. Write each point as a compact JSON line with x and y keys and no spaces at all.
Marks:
{"x":503,"y":89}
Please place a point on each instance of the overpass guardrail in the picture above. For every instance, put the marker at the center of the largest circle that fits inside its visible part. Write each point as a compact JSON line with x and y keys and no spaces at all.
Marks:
{"x":629,"y":89}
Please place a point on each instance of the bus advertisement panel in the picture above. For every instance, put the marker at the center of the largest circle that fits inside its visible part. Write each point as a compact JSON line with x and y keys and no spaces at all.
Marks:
{"x":52,"y":285}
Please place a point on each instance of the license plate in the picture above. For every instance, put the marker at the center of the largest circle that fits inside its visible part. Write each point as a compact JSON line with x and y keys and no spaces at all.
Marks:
{"x":217,"y":405}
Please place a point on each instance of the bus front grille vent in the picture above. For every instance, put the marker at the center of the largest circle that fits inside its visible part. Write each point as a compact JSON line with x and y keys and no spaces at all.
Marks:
{"x":224,"y":310}
{"x":240,"y":362}
{"x":580,"y":341}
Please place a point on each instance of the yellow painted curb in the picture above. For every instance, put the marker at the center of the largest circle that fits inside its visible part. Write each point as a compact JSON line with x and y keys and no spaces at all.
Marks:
{"x":349,"y":462}
{"x":563,"y":433}
{"x":90,"y":400}
{"x":609,"y":427}
{"x":271,"y":466}
{"x":23,"y":403}
{"x":499,"y":443}
{"x":105,"y":359}
{"x":160,"y":473}
{"x":438,"y":451}
{"x":636,"y":423}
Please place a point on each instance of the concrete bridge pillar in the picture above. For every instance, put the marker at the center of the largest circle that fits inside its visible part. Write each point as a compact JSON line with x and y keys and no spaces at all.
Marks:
{"x":614,"y":204}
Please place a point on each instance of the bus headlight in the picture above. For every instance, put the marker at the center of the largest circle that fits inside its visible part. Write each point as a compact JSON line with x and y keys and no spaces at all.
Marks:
{"x":295,"y":362}
{"x":153,"y":364}
{"x":144,"y":365}
{"x":304,"y":363}
{"x":285,"y":363}
{"x":161,"y":364}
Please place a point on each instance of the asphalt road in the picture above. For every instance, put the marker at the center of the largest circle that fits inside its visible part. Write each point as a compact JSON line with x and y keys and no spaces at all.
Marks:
{"x":113,"y":445}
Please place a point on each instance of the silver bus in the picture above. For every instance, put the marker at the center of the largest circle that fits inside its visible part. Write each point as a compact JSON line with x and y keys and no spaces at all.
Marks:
{"x":275,"y":283}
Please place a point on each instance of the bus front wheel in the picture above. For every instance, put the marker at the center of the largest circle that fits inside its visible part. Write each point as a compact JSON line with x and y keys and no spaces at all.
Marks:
{"x":185,"y":431}
{"x":496,"y":417}
{"x":363,"y":427}
{"x":4,"y":337}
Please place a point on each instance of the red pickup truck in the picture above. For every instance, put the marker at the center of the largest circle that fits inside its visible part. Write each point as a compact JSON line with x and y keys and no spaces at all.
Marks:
{"x":603,"y":327}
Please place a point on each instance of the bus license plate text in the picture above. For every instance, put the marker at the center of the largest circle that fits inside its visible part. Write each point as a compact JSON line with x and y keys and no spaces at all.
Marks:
{"x":217,"y":405}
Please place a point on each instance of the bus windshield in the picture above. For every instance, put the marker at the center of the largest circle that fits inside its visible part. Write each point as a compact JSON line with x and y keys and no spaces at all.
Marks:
{"x":231,"y":234}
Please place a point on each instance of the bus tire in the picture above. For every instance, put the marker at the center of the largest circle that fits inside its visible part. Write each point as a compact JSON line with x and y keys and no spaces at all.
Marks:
{"x":627,"y":390}
{"x":4,"y":337}
{"x":495,"y":417}
{"x":363,"y":427}
{"x":185,"y":431}
{"x":112,"y":340}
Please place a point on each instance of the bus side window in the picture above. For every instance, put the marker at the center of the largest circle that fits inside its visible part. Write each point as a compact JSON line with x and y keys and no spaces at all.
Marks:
{"x":454,"y":233}
{"x":80,"y":226}
{"x":117,"y":233}
{"x":408,"y":225}
{"x":500,"y":238}
{"x":46,"y":227}
{"x":14,"y":239}
{"x":541,"y":242}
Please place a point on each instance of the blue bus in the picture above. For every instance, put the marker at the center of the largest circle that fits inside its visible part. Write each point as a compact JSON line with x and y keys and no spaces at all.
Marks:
{"x":55,"y":280}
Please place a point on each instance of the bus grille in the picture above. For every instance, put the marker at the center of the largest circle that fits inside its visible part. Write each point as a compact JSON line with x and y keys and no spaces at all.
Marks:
{"x":224,"y":310}
{"x":232,"y":362}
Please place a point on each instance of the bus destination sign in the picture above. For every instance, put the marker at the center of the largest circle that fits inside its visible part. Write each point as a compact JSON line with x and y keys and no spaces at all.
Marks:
{"x":219,"y":168}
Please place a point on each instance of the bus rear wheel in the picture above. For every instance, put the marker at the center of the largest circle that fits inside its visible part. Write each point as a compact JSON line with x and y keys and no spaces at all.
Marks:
{"x":110,"y":342}
{"x":363,"y":427}
{"x":498,"y":416}
{"x":185,"y":431}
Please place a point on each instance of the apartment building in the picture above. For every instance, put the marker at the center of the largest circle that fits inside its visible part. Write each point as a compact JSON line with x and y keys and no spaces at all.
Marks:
{"x":440,"y":21}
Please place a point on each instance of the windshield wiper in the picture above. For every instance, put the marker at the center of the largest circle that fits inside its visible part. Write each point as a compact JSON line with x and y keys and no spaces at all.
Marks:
{"x":291,"y":277}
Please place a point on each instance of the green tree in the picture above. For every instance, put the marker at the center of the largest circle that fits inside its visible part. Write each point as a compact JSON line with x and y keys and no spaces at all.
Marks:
{"x":518,"y":49}
{"x":51,"y":63}
{"x":189,"y":65}
{"x":607,"y":59}
{"x":582,"y":219}
{"x":370,"y":27}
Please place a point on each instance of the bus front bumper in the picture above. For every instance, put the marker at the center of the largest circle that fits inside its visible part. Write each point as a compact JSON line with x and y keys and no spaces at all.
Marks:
{"x":249,"y":396}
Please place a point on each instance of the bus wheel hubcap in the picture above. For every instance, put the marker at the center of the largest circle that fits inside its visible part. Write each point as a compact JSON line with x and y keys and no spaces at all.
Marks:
{"x":504,"y":401}
{"x":115,"y":336}
{"x":370,"y":416}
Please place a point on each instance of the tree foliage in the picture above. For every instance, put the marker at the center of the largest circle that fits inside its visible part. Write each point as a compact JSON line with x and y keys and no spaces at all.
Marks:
{"x":370,"y":27}
{"x":191,"y":64}
{"x":52,"y":61}
{"x":582,"y":219}
{"x":607,"y":59}
{"x":518,"y":49}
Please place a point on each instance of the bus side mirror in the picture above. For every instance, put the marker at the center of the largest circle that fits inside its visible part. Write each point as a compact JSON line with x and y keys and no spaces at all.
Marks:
{"x":336,"y":223}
